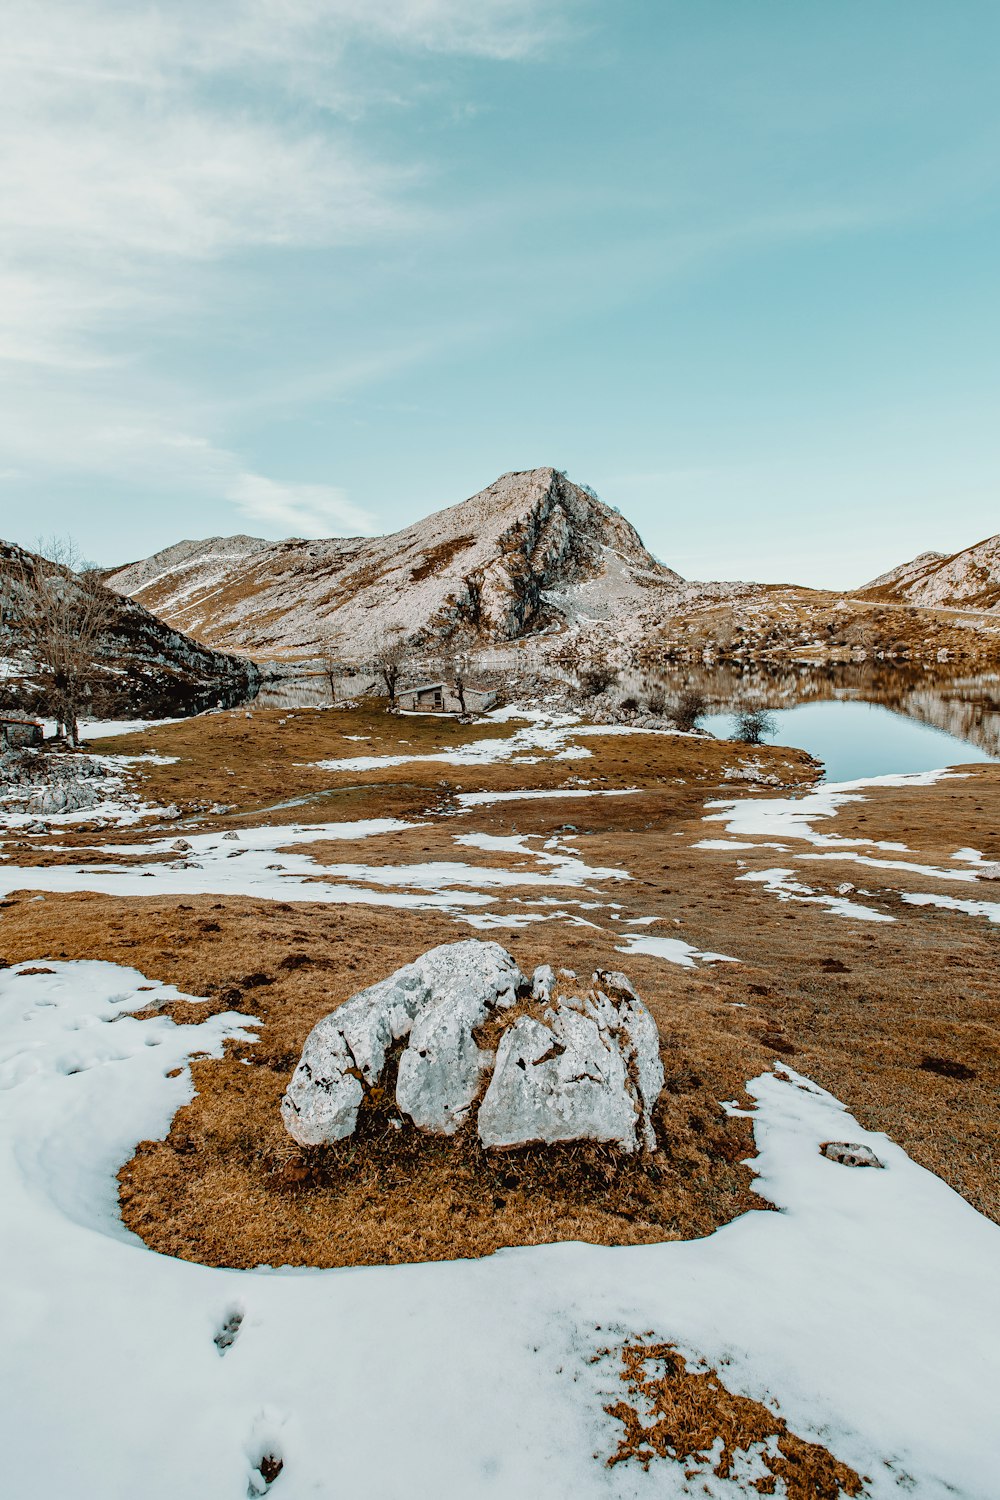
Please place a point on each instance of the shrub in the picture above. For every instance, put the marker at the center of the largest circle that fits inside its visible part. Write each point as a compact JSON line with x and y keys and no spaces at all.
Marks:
{"x":597,"y":679}
{"x":689,"y":709}
{"x":629,"y":705}
{"x":752,"y":724}
{"x":656,"y":702}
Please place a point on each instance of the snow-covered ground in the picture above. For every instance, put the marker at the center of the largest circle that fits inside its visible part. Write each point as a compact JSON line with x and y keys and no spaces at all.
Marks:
{"x":460,"y":1379}
{"x":780,"y":822}
{"x":101,"y":729}
{"x":785,"y":818}
{"x":272,"y":863}
{"x":549,"y":734}
{"x":674,"y":950}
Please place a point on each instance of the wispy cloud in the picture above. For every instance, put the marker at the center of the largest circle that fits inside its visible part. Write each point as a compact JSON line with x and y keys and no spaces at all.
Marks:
{"x":303,"y":509}
{"x":144,"y":144}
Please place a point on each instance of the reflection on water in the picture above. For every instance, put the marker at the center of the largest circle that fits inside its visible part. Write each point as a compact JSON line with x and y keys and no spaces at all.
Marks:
{"x":966,"y":708}
{"x":860,"y":740}
{"x":303,"y":686}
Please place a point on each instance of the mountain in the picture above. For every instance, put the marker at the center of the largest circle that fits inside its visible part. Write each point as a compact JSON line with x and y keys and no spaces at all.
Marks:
{"x":143,"y":669}
{"x":936,"y":580}
{"x":532,"y":553}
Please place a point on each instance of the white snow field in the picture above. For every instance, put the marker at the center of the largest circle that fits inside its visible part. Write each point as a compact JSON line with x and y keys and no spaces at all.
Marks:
{"x":550,"y":733}
{"x":674,"y":950}
{"x":263,"y":862}
{"x":793,"y":817}
{"x":771,"y":822}
{"x":867,"y":1307}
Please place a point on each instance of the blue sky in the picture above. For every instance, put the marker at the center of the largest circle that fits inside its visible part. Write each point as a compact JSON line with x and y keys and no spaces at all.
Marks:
{"x":317,"y":267}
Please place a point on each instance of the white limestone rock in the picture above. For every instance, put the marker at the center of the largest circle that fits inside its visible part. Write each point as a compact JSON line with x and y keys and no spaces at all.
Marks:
{"x":542,"y":981}
{"x":441,"y":1069}
{"x":435,"y":1002}
{"x":590,"y":1071}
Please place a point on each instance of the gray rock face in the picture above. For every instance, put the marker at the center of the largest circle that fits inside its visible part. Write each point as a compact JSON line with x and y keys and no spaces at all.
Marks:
{"x":435,"y":1002}
{"x":62,"y":799}
{"x":590,"y":1071}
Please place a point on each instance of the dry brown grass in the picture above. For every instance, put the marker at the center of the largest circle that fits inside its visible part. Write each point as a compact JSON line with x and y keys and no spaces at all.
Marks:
{"x":860,"y":1008}
{"x":270,"y":758}
{"x":671,"y":1411}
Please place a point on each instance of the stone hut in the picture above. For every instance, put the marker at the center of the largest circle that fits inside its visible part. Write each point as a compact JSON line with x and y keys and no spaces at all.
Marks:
{"x":19,"y":733}
{"x":441,"y":698}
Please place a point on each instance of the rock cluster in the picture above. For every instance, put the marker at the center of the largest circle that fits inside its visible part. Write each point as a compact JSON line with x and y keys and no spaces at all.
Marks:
{"x":45,"y":784}
{"x":566,"y":1069}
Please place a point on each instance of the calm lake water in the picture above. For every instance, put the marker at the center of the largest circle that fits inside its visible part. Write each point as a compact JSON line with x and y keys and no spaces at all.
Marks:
{"x":858,"y":739}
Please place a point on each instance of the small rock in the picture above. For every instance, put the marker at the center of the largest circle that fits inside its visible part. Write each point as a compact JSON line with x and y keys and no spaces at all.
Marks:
{"x":845,"y":888}
{"x":850,"y":1155}
{"x":542,"y":981}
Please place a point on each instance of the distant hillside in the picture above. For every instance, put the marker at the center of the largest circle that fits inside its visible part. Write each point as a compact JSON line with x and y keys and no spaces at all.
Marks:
{"x":531,"y":553}
{"x":144,"y":668}
{"x":964,"y":580}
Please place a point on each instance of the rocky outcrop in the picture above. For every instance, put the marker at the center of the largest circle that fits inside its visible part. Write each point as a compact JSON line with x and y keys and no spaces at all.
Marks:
{"x":43,"y":785}
{"x":435,"y":1003}
{"x":531,"y":553}
{"x":141,"y":667}
{"x":569,"y":1068}
{"x":969,"y":579}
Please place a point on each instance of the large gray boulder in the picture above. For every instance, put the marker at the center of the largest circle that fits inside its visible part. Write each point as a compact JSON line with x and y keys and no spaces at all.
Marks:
{"x":435,"y":1002}
{"x":589,"y":1070}
{"x":568,"y":1069}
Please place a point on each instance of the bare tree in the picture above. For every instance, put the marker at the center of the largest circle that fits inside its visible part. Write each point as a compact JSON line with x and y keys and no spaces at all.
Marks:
{"x":752,"y":724}
{"x":391,"y":654}
{"x":61,"y":610}
{"x":456,"y":676}
{"x":596,"y":679}
{"x":333,"y":671}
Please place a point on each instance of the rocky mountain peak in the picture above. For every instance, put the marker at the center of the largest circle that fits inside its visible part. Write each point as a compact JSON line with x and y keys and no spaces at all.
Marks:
{"x":531,"y":552}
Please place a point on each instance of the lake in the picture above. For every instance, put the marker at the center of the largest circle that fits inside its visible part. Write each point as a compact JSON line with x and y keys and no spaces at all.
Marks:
{"x":860,"y":739}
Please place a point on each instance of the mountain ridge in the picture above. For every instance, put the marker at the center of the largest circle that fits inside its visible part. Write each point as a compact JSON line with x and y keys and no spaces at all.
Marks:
{"x":967,"y":579}
{"x":529,"y":554}
{"x":143,"y":666}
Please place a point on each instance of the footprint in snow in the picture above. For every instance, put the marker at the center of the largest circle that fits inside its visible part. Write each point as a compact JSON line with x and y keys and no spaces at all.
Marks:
{"x":228,"y":1330}
{"x":265,"y":1452}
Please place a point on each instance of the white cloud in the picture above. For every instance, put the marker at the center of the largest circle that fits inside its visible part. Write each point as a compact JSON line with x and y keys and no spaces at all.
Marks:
{"x":141,"y":144}
{"x":299,"y":509}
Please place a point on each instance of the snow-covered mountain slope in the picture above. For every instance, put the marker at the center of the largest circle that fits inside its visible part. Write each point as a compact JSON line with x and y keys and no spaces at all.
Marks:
{"x":143,"y":666}
{"x":965,"y":580}
{"x":531,"y":553}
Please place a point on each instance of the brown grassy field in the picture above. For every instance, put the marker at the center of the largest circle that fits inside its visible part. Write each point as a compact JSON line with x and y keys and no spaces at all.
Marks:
{"x":897,"y":1019}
